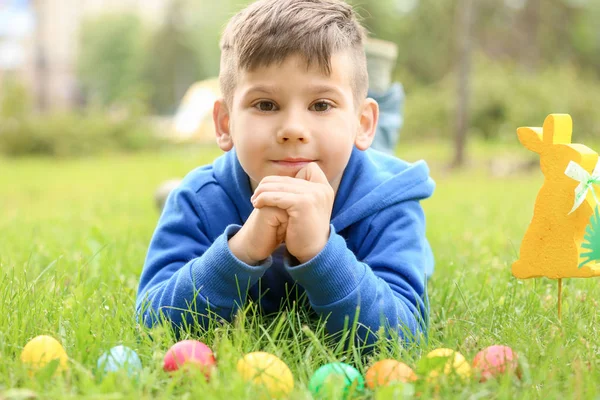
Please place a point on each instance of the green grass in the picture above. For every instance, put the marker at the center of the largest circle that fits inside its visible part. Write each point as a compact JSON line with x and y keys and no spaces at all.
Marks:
{"x":73,"y":236}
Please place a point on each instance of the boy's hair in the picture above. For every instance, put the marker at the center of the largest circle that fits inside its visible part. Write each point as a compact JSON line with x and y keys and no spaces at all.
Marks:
{"x":269,"y":31}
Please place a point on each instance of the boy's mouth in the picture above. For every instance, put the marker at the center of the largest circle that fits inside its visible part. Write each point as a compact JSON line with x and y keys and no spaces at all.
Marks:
{"x":293,"y":162}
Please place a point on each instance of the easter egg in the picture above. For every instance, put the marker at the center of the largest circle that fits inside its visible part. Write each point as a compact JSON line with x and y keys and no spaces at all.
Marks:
{"x":41,"y":350}
{"x":265,"y":369}
{"x":336,"y":380}
{"x":494,"y":361}
{"x":454,"y":363}
{"x":384,"y":372}
{"x":189,"y":353}
{"x":120,"y":358}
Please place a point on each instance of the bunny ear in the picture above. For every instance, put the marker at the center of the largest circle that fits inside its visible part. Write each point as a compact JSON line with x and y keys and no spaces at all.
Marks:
{"x":558,"y":129}
{"x":531,"y":138}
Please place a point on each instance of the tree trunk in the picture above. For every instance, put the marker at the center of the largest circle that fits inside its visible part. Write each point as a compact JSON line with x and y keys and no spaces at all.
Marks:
{"x":530,"y":52}
{"x":464,"y":39}
{"x":41,"y":62}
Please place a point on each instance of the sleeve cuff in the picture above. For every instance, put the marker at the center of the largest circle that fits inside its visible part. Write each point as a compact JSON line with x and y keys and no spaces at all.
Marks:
{"x":222,"y":274}
{"x":331,"y":275}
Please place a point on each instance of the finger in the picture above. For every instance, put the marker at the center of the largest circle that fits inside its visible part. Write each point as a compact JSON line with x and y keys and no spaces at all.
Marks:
{"x":279,"y":179}
{"x":297,"y":187}
{"x":282,"y":200}
{"x":276,"y":216}
{"x":312,"y":173}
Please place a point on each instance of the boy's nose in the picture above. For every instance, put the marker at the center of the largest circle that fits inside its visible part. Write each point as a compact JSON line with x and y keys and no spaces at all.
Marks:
{"x":292,"y":131}
{"x":292,"y":135}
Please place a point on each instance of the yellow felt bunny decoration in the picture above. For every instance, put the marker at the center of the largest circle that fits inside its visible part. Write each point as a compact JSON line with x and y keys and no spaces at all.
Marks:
{"x":552,"y":244}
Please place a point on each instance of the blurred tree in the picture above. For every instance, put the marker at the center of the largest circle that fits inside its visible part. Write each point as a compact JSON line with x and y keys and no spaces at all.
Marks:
{"x":585,"y":36}
{"x":528,"y":32}
{"x":208,"y":19}
{"x":111,"y":59}
{"x":464,"y":39}
{"x":529,"y":36}
{"x":15,"y":100}
{"x":422,"y":29}
{"x":530,"y":28}
{"x":172,"y":60}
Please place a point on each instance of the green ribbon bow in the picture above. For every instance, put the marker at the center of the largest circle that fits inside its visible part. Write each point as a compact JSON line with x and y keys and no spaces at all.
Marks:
{"x":576,"y":171}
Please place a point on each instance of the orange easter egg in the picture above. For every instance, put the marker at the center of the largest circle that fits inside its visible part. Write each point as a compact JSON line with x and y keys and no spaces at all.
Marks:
{"x":384,"y":372}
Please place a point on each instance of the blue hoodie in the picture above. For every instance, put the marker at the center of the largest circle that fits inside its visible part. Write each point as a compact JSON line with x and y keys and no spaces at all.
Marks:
{"x":376,"y":258}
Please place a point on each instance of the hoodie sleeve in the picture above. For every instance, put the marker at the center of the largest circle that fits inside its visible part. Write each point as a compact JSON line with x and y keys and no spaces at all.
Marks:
{"x":187,"y":277}
{"x":383,"y":287}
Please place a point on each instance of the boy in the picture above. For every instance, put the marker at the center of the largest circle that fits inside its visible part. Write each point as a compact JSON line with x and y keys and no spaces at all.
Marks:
{"x":298,"y":199}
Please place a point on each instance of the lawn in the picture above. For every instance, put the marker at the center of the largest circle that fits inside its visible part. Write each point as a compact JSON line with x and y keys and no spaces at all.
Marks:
{"x":73,"y":236}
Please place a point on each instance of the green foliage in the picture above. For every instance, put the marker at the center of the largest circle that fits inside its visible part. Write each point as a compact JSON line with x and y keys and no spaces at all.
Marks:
{"x":205,"y":23}
{"x":532,"y":33}
{"x":591,"y":240}
{"x":75,"y":134}
{"x":396,"y":390}
{"x":503,"y":98}
{"x":15,"y":101}
{"x":172,"y":61}
{"x":111,"y":59}
{"x":424,"y":35}
{"x":70,"y":134}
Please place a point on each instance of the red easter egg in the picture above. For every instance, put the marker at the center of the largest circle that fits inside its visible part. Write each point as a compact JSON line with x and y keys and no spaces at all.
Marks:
{"x":494,"y":361}
{"x":190,"y":353}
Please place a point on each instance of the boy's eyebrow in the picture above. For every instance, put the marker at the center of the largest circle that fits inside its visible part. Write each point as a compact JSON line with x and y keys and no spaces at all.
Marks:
{"x":313,"y":89}
{"x":321,"y":89}
{"x":267,"y":89}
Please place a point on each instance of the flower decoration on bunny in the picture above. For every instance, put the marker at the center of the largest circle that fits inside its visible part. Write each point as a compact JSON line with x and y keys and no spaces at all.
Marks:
{"x":592,"y":240}
{"x":586,"y":181}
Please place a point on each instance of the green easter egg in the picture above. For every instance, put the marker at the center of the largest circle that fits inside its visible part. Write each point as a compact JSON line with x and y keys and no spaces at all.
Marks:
{"x":336,"y":380}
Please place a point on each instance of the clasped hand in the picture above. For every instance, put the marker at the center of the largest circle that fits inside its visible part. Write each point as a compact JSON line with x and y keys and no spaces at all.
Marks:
{"x":295,"y":210}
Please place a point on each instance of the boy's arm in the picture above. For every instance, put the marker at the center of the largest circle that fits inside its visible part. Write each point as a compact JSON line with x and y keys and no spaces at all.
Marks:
{"x":186,"y":276}
{"x":387,"y":286}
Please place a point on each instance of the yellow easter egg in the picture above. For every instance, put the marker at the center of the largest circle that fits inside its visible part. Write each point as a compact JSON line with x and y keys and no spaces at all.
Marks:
{"x":456,"y":364}
{"x":267,"y":370}
{"x":41,"y":350}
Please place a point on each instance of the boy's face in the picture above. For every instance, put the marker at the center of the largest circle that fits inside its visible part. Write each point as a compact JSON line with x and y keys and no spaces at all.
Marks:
{"x":284,"y":116}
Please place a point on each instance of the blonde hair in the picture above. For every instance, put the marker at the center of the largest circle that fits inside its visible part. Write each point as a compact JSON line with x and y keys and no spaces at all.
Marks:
{"x":269,"y":31}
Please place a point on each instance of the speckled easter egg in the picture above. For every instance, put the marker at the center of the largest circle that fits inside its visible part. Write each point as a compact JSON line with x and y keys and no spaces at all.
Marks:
{"x":265,"y":369}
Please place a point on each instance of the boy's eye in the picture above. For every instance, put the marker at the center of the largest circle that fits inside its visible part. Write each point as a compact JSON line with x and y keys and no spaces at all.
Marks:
{"x":321,"y":106}
{"x":265,"y":106}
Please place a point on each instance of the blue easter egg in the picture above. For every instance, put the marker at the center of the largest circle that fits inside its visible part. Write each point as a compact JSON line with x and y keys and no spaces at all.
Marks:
{"x":120,"y":358}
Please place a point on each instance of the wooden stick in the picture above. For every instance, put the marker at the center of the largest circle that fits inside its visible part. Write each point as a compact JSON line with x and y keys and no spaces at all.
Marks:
{"x":559,"y":298}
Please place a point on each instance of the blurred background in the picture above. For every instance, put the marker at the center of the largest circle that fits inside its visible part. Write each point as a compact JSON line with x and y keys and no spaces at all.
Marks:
{"x":83,"y":77}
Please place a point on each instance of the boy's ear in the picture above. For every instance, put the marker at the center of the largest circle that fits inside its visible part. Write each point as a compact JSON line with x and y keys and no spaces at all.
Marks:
{"x":369,"y":115}
{"x":221,"y":121}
